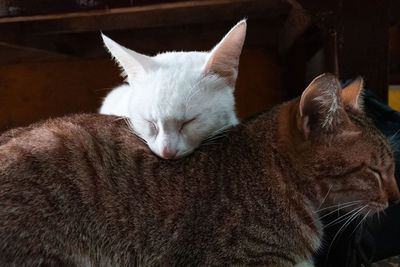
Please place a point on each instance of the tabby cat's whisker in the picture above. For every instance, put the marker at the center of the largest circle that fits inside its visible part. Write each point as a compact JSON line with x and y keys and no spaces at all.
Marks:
{"x":337,"y":210}
{"x":347,"y":223}
{"x":361,"y":221}
{"x":394,"y":143}
{"x":384,"y":212}
{"x":394,"y":135}
{"x":327,"y":193}
{"x":346,"y":217}
{"x":338,"y":205}
{"x":379,"y":218}
{"x":342,"y":217}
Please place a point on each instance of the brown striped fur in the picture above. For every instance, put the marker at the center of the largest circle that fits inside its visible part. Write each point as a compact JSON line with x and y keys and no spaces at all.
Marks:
{"x":84,"y":191}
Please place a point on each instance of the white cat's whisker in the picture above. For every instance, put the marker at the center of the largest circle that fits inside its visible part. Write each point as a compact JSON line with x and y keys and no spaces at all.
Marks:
{"x":120,"y":118}
{"x":212,"y":139}
{"x":218,"y":134}
{"x":132,"y":130}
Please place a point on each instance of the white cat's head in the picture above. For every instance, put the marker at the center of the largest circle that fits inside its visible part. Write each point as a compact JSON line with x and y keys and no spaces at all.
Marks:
{"x":179,"y":99}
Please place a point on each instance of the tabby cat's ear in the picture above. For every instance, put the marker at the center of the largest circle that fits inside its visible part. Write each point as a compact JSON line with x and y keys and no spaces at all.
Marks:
{"x":321,"y":105}
{"x":224,"y":58}
{"x":352,"y":92}
{"x":131,"y":62}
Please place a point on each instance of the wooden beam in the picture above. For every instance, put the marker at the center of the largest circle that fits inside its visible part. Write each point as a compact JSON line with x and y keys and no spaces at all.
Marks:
{"x":150,"y":41}
{"x":184,"y":25}
{"x":159,"y":15}
{"x":18,"y":8}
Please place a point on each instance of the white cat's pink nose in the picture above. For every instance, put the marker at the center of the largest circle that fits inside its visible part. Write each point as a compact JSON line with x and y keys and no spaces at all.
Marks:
{"x":167,"y":154}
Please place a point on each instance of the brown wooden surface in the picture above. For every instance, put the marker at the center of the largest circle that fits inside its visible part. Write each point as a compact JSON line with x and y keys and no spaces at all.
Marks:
{"x":33,"y":91}
{"x":55,"y":64}
{"x":260,"y":83}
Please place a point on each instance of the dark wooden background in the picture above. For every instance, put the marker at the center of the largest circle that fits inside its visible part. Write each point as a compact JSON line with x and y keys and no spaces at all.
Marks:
{"x":52,"y":61}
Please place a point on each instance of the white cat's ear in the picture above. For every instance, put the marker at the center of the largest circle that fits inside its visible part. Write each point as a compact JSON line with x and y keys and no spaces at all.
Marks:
{"x":352,"y":93}
{"x":224,"y":58}
{"x":321,"y":105}
{"x":131,"y":62}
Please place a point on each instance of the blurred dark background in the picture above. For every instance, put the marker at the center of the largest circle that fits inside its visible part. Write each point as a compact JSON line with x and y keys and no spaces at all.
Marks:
{"x":52,"y":61}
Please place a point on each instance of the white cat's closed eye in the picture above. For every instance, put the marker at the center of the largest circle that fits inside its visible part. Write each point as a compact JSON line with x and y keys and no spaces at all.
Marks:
{"x":186,"y":123}
{"x":153,"y":125}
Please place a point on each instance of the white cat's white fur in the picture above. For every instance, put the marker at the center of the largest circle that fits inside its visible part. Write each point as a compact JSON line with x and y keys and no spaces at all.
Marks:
{"x":175,"y":100}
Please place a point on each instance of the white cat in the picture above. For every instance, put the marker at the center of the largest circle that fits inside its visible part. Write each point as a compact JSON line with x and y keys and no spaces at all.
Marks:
{"x":175,"y":100}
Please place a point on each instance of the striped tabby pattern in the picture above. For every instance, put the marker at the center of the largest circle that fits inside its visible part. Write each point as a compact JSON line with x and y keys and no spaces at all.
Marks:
{"x":84,"y":191}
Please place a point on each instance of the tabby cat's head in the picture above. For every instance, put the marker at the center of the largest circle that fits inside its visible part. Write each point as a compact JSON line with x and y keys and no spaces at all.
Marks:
{"x":348,"y":158}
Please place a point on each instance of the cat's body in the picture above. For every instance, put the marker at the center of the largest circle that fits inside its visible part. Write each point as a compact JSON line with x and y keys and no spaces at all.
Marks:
{"x":175,"y":100}
{"x":139,"y":209}
{"x":84,"y":191}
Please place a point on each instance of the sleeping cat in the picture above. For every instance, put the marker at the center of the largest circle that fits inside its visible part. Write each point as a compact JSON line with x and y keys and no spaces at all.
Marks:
{"x":175,"y":100}
{"x":84,"y":191}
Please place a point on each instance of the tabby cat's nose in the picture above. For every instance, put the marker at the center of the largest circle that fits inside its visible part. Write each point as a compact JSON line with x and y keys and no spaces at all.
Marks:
{"x":395,"y":202}
{"x":393,"y":191}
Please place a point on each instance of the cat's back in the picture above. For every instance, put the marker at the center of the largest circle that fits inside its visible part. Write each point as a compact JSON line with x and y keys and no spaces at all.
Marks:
{"x":90,"y":136}
{"x":90,"y":126}
{"x":96,"y":188}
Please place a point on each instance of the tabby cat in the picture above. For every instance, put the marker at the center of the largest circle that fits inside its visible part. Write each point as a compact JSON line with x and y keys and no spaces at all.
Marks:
{"x":85,"y":191}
